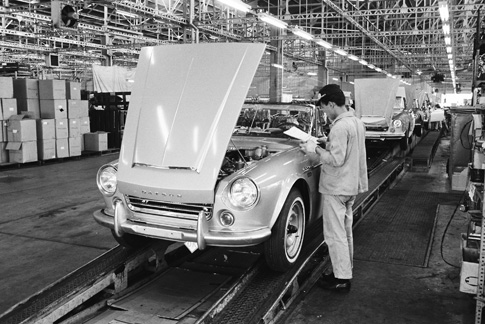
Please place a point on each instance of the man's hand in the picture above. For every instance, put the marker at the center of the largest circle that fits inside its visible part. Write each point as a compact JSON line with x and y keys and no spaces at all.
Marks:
{"x":308,"y":146}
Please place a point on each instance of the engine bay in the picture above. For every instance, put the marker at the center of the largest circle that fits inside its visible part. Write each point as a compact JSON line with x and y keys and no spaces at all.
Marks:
{"x":237,"y":159}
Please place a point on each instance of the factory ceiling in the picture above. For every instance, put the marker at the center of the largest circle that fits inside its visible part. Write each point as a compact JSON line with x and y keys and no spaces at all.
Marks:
{"x":404,"y":38}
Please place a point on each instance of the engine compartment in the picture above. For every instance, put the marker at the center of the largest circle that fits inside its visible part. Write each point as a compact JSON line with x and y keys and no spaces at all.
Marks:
{"x":236,"y":159}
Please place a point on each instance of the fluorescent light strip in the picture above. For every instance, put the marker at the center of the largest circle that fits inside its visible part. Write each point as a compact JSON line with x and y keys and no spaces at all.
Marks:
{"x":302,"y":33}
{"x":444,"y":12}
{"x":363,"y":62}
{"x":445,"y":17}
{"x":323,"y":43}
{"x":446,"y":29}
{"x":236,"y":4}
{"x":353,"y":57}
{"x":340,"y":51}
{"x":272,"y":20}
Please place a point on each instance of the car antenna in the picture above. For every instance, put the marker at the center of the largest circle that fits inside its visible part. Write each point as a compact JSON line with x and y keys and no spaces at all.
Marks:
{"x":240,"y":154}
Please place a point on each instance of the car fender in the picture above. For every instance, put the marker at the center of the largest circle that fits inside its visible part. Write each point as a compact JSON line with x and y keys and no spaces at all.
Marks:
{"x":298,"y":170}
{"x":284,"y":192}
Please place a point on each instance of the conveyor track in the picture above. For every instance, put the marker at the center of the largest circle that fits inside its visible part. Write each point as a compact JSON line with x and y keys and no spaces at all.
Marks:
{"x":424,"y":152}
{"x":116,"y":261}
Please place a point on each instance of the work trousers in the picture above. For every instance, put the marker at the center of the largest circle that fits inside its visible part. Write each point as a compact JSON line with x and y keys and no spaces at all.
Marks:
{"x":337,"y":231}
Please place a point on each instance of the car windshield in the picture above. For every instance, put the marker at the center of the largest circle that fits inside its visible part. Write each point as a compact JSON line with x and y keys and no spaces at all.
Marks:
{"x":272,"y":120}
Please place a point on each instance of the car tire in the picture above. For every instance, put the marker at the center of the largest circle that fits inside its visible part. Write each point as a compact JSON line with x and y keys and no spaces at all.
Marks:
{"x":403,"y":142}
{"x":131,"y":241}
{"x":284,"y":246}
{"x":418,"y":131}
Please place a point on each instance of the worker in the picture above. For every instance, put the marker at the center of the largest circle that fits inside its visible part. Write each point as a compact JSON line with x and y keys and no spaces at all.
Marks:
{"x":343,"y":176}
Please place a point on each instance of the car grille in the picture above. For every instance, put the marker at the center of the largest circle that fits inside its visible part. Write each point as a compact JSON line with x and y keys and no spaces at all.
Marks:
{"x":175,"y":215}
{"x":376,"y":128}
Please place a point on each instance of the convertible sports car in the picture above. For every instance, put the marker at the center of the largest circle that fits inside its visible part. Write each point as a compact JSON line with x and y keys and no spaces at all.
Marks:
{"x":197,"y":165}
{"x":385,"y":113}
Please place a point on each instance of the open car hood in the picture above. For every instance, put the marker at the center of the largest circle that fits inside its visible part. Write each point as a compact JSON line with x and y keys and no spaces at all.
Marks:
{"x":184,"y":105}
{"x":375,"y":97}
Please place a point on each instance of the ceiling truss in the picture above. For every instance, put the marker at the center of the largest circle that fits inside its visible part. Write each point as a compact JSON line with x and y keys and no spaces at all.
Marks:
{"x":403,"y":36}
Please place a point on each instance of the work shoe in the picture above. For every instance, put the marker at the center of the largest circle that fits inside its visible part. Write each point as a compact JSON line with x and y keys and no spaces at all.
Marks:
{"x":340,"y":285}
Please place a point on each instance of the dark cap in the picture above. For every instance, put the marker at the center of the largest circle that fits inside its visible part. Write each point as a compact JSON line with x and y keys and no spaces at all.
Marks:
{"x":331,"y":92}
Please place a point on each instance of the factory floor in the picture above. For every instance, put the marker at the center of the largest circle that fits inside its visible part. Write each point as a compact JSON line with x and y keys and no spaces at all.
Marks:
{"x":47,"y":231}
{"x":401,"y":294}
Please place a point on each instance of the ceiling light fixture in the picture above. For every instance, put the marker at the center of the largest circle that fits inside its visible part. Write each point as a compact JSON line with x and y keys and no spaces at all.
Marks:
{"x":353,"y":57}
{"x":444,"y":12}
{"x":340,"y":51}
{"x":363,"y":62}
{"x":446,"y":29}
{"x":236,"y":4}
{"x":272,"y":20}
{"x":302,"y":33}
{"x":447,"y":32}
{"x":323,"y":43}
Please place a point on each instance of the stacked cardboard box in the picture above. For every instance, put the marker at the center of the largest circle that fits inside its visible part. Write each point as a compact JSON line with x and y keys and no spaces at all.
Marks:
{"x":97,"y":141}
{"x":46,"y":139}
{"x":21,"y":139}
{"x":55,"y":106}
{"x":8,"y":107}
{"x":26,"y":91}
{"x":78,"y":114}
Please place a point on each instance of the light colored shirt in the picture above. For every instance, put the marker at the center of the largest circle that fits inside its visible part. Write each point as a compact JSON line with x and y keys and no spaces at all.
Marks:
{"x":344,"y":160}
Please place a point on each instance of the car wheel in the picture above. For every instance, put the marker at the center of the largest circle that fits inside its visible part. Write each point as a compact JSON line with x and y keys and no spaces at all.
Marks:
{"x":131,"y":241}
{"x":284,"y":246}
{"x":418,"y":131}
{"x":403,"y":143}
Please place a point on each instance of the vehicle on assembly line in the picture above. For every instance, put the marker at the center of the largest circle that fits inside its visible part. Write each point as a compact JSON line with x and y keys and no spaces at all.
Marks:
{"x":198,"y":165}
{"x":381,"y":105}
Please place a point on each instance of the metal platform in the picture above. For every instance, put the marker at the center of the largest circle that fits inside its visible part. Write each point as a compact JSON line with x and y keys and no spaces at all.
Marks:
{"x":423,"y":153}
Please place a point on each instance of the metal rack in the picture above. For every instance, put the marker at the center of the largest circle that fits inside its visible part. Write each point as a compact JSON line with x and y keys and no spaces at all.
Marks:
{"x":481,"y":276}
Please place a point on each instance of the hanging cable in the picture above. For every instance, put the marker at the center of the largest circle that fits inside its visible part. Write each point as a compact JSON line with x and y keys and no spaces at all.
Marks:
{"x":446,"y":229}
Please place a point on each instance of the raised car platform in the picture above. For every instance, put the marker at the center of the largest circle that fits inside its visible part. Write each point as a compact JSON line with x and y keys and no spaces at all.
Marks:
{"x":423,"y":153}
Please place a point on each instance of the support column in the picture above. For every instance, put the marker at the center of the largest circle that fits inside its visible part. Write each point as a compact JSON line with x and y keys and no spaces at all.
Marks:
{"x":322,"y":69}
{"x":107,"y":53}
{"x":276,"y":73}
{"x":106,"y":40}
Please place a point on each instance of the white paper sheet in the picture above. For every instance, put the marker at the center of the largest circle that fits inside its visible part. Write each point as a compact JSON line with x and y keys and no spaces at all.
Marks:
{"x":299,"y":134}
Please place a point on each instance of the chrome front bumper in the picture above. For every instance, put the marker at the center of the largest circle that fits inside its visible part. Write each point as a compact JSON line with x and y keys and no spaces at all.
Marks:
{"x":203,"y":236}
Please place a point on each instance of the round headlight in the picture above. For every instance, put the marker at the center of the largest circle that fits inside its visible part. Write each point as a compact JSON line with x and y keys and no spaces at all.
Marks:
{"x":106,"y":180}
{"x":243,"y":193}
{"x":397,"y":123}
